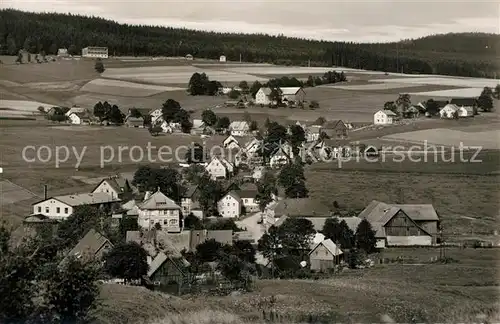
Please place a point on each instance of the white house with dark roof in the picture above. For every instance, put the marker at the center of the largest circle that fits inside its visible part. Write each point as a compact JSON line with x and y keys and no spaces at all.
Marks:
{"x":219,"y":168}
{"x":159,"y":209}
{"x":230,"y":205}
{"x":61,"y":207}
{"x":114,"y":186}
{"x":78,"y":118}
{"x":239,"y":128}
{"x":384,"y":117}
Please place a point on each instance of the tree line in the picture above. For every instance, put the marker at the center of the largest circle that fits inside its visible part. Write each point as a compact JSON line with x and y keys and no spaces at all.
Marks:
{"x":35,"y":32}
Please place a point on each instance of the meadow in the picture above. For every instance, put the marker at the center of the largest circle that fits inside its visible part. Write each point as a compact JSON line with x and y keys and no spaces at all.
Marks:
{"x":446,"y":293}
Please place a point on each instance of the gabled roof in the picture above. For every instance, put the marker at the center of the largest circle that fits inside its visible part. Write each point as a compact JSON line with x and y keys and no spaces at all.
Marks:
{"x":451,"y":106}
{"x":190,"y":191}
{"x":233,"y":194}
{"x":330,"y":246}
{"x":221,"y":236}
{"x":334,"y":124}
{"x":81,"y":115}
{"x":313,"y":129}
{"x":39,"y":219}
{"x":305,"y":207}
{"x":89,"y":245}
{"x":142,"y":111}
{"x":465,"y":102}
{"x":266,"y":91}
{"x":230,"y":139}
{"x":84,"y":199}
{"x":247,"y":193}
{"x":198,"y":123}
{"x":117,"y":183}
{"x":159,"y":201}
{"x":352,"y":222}
{"x":290,"y":90}
{"x":420,"y":212}
{"x":134,"y":120}
{"x":161,"y":258}
{"x":387,"y":112}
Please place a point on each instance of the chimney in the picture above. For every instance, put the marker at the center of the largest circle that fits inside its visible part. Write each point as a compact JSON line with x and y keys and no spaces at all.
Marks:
{"x":45,"y":192}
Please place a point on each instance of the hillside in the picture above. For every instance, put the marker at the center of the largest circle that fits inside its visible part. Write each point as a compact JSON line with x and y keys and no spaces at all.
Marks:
{"x":451,"y":54}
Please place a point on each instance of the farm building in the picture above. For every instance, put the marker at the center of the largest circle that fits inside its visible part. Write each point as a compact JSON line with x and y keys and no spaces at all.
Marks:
{"x":75,"y":110}
{"x":189,"y":57}
{"x":137,"y":122}
{"x":198,"y":127}
{"x":115,"y":186}
{"x":324,"y":256}
{"x":62,"y":52}
{"x":222,"y":58}
{"x":231,"y":143}
{"x":60,"y":207}
{"x":402,"y":225}
{"x":281,"y":156}
{"x":230,"y":205}
{"x":296,"y":94}
{"x":95,"y":52}
{"x":469,"y":103}
{"x":384,"y":117}
{"x":239,"y":128}
{"x":313,"y":132}
{"x":248,"y":196}
{"x":335,"y":129}
{"x":159,"y":209}
{"x":300,"y":207}
{"x":451,"y":110}
{"x":168,"y":273}
{"x":262,"y":96}
{"x":156,"y":116}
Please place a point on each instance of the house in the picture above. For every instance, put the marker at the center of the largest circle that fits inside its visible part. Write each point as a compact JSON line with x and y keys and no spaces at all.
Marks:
{"x":384,"y":117}
{"x":230,"y":205}
{"x":189,"y":202}
{"x":413,"y":111}
{"x":248,"y":196}
{"x":79,"y":118}
{"x":198,"y":127}
{"x":402,"y":225}
{"x":159,"y":209}
{"x":169,"y":274}
{"x":295,"y":94}
{"x":313,"y":133}
{"x":156,"y":116}
{"x":169,"y":127}
{"x":222,"y":58}
{"x":61,"y":207}
{"x":335,"y":129}
{"x":62,"y":52}
{"x":252,"y":147}
{"x":137,"y":122}
{"x":324,"y":256}
{"x":91,"y":247}
{"x":189,"y":57}
{"x":95,"y":52}
{"x":262,"y":97}
{"x":239,"y":128}
{"x":280,"y":157}
{"x":231,"y":143}
{"x":115,"y":186}
{"x":219,"y":168}
{"x":448,"y":111}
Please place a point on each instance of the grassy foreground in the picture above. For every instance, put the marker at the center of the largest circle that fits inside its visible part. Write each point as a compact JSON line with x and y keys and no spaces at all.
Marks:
{"x":464,"y":291}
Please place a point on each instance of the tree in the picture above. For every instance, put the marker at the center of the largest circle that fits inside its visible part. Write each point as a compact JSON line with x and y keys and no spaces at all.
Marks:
{"x":276,"y":135}
{"x":390,"y":105}
{"x":255,"y":88}
{"x":115,"y":115}
{"x":196,"y":154}
{"x":168,"y":180}
{"x":72,"y":50}
{"x":223,"y":123}
{"x":127,"y":224}
{"x":127,"y":261}
{"x":210,"y":193}
{"x":99,"y":111}
{"x":135,"y":113}
{"x":266,"y":188}
{"x":432,"y":107}
{"x":99,"y":66}
{"x":365,"y":237}
{"x":209,"y":117}
{"x":270,"y":243}
{"x":194,"y":173}
{"x":310,"y":81}
{"x":291,"y":177}
{"x":4,"y":240}
{"x":485,"y":101}
{"x":155,"y":130}
{"x":244,"y":86}
{"x":53,"y":49}
{"x":41,"y":109}
{"x":297,"y":235}
{"x":403,"y":103}
{"x":331,"y":229}
{"x":27,"y":44}
{"x":170,"y":109}
{"x":73,"y":228}
{"x":496,"y":92}
{"x":320,"y":121}
{"x":191,"y":222}
{"x":11,"y":45}
{"x":297,"y":137}
{"x":346,"y":238}
{"x":275,"y":95}
{"x":196,"y":86}
{"x":314,"y":104}
{"x":29,"y":57}
{"x":208,"y":251}
{"x":253,"y":126}
{"x":213,"y":88}
{"x":244,"y":250}
{"x":234,"y":94}
{"x":236,"y":270}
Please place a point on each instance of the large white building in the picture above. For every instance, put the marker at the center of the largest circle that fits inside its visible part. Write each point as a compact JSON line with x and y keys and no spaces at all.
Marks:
{"x":61,"y":207}
{"x":159,"y":209}
{"x":239,"y":128}
{"x":230,"y":205}
{"x":95,"y":52}
{"x":384,"y":117}
{"x":296,"y":94}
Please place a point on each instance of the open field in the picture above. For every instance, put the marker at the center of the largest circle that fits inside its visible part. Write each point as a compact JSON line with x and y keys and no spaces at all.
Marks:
{"x":123,"y":88}
{"x":450,"y":293}
{"x":458,"y":93}
{"x":449,"y":81}
{"x":451,"y":137}
{"x":369,"y":86}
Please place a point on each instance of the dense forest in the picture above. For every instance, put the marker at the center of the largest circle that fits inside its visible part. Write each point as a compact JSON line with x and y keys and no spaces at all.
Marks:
{"x":469,"y":54}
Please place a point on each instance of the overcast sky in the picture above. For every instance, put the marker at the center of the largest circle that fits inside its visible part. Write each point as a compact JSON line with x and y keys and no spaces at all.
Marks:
{"x":365,"y":21}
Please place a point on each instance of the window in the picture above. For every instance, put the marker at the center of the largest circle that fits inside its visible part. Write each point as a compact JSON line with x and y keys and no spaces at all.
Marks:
{"x":164,"y":222}
{"x":173,"y":222}
{"x":228,"y":204}
{"x":47,"y":210}
{"x":39,"y":209}
{"x":58,"y":210}
{"x":234,"y":204}
{"x":66,"y":210}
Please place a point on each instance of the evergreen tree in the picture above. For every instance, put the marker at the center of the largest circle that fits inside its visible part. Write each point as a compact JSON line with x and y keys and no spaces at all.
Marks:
{"x":365,"y":237}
